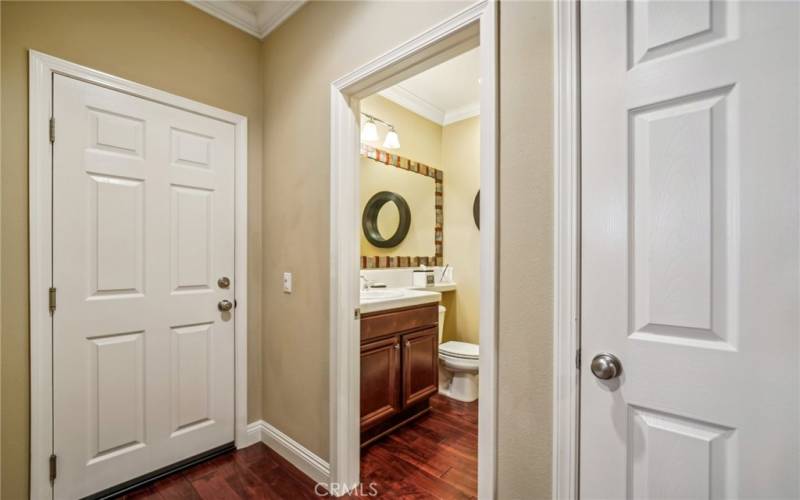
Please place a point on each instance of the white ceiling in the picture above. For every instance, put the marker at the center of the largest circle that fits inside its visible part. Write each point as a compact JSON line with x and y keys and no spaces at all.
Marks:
{"x":443,"y":94}
{"x":257,"y":17}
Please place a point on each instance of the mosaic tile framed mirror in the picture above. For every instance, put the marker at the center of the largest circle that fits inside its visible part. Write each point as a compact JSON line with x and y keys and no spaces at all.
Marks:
{"x":411,"y":183}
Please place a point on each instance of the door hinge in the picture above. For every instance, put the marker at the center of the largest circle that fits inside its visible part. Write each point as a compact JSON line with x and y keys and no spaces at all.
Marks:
{"x":578,"y":359}
{"x":356,"y":313}
{"x":53,"y":467}
{"x":52,"y":129}
{"x":52,"y":300}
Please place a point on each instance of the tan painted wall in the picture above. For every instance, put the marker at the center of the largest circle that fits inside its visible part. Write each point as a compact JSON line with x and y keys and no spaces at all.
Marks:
{"x":526,"y":245}
{"x":320,"y":43}
{"x":323,"y":41}
{"x":167,"y":45}
{"x":461,"y":144}
{"x":420,"y":140}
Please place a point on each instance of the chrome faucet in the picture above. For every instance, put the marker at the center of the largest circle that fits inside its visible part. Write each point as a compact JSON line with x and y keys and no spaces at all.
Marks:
{"x":366,"y":283}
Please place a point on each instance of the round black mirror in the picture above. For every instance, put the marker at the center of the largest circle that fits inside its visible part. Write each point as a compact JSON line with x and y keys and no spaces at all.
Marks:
{"x":476,"y":210}
{"x":369,"y":220}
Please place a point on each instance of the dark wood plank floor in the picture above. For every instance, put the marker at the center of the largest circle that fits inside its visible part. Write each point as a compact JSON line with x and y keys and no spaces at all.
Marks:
{"x":432,"y":457}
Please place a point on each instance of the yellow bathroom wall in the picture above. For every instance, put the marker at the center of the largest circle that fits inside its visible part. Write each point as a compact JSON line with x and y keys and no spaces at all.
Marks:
{"x":462,"y":178}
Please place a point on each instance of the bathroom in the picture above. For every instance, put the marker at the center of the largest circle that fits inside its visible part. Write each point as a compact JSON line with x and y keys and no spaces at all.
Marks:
{"x":419,"y":202}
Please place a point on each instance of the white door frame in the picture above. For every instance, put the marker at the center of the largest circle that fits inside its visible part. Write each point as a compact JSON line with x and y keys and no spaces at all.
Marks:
{"x":566,"y":253}
{"x":41,"y":70}
{"x":476,"y":25}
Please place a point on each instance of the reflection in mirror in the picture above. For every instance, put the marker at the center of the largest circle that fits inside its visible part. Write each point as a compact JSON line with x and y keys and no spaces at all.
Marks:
{"x":388,"y":220}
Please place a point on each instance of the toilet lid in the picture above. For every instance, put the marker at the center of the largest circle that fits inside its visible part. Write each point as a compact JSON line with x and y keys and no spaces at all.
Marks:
{"x":459,"y":349}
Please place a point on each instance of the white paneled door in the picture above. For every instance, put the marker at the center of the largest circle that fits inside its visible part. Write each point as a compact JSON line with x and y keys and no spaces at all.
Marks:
{"x":143,"y":358}
{"x":690,"y":132}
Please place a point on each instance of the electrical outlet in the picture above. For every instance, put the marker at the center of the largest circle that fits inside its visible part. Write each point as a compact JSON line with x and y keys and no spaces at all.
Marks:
{"x":287,"y":282}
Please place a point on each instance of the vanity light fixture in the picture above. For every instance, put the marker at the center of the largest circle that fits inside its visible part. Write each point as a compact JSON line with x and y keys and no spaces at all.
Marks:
{"x":369,"y":132}
{"x":392,"y":140}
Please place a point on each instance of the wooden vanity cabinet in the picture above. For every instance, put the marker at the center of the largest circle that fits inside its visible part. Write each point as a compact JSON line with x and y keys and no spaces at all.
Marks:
{"x":399,"y":367}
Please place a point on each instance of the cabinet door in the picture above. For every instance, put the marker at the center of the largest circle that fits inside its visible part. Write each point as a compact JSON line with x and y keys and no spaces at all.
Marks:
{"x":420,"y":365}
{"x":380,"y":380}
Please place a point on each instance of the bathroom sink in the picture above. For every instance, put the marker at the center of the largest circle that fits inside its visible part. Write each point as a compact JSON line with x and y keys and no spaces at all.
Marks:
{"x":384,"y":294}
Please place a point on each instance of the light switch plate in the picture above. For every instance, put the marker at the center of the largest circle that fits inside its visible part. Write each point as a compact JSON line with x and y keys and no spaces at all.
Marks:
{"x":287,"y":282}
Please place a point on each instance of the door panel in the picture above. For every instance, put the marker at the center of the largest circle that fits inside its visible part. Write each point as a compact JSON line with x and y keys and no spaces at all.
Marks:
{"x":143,"y":226}
{"x":191,"y":376}
{"x":116,"y":384}
{"x":420,"y":365}
{"x":380,"y":380}
{"x":689,"y":259}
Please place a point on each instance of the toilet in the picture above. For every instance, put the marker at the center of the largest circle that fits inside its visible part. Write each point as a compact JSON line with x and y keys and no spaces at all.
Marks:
{"x":458,"y":366}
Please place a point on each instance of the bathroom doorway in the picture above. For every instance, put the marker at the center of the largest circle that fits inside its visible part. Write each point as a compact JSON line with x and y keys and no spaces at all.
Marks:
{"x":419,"y":203}
{"x":413,"y":144}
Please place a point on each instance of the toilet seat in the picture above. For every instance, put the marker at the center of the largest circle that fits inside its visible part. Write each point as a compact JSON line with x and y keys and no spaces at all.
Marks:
{"x":460,"y":350}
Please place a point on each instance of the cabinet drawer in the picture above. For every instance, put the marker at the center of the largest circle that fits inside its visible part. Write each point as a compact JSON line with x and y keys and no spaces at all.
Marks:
{"x":400,"y":320}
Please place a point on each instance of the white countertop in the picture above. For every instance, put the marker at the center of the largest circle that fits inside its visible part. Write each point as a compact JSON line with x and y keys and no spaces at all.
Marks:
{"x":401,"y":297}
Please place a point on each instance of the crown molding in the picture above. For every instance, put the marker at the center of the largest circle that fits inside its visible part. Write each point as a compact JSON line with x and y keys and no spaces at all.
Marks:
{"x":462,"y":113}
{"x":231,"y":13}
{"x":259,"y":25}
{"x":411,"y":101}
{"x":268,"y":24}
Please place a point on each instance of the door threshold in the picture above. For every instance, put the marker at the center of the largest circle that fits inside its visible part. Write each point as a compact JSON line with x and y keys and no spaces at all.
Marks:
{"x":144,"y":480}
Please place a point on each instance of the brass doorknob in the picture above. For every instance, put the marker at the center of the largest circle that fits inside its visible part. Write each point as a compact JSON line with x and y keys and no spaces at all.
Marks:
{"x":606,"y":366}
{"x":225,"y":305}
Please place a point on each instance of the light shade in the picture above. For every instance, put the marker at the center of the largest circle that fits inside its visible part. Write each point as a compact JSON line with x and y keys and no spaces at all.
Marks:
{"x":392,"y":140}
{"x":369,"y":132}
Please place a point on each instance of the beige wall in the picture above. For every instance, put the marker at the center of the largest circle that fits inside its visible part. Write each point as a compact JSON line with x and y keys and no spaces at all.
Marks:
{"x":525,"y":366}
{"x":323,"y":41}
{"x":420,"y":140}
{"x":461,"y":144}
{"x":167,"y":45}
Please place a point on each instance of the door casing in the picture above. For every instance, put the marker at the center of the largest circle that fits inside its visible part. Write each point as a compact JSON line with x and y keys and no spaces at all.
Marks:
{"x":42,"y":67}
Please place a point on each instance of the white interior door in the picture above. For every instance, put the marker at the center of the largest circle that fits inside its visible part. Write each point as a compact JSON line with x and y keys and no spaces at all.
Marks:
{"x":690,"y":249}
{"x":143,"y":359}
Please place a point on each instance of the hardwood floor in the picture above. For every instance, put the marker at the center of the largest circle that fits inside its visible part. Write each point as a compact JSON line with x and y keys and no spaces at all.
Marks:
{"x":435,"y":456}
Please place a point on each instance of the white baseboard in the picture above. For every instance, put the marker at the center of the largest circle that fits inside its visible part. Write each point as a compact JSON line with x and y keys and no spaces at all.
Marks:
{"x":297,"y":454}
